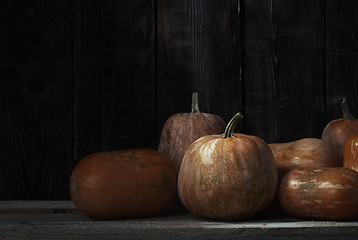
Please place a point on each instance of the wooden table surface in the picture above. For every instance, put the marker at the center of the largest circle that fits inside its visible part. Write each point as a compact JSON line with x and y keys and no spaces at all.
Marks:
{"x":61,"y":220}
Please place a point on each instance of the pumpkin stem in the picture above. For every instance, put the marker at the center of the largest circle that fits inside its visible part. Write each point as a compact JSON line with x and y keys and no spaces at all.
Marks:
{"x":345,"y":109}
{"x":229,"y":130}
{"x":195,"y":103}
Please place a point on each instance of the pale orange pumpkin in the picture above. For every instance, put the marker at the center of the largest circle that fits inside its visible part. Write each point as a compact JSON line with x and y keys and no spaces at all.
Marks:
{"x":182,"y":129}
{"x":229,"y":177}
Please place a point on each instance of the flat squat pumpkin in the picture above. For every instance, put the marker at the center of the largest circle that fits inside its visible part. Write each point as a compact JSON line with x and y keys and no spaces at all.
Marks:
{"x":129,"y":183}
{"x":182,"y":129}
{"x":228,"y":177}
{"x":320,"y":193}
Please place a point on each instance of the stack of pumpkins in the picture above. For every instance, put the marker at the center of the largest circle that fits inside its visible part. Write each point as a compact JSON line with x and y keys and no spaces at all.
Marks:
{"x":219,"y":174}
{"x":314,"y":183}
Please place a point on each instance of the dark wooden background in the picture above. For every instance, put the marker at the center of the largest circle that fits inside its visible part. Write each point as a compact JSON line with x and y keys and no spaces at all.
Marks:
{"x":81,"y":76}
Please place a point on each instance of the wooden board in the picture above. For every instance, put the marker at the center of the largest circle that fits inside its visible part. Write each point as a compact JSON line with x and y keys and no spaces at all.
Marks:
{"x":35,"y":99}
{"x":342,"y":57}
{"x":283,"y":69}
{"x":78,"y":77}
{"x":199,"y":50}
{"x":38,"y":221}
{"x":114,"y":84}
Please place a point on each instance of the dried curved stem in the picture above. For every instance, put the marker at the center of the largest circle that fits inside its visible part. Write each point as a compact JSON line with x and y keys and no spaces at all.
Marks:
{"x":345,"y":109}
{"x":229,"y":130}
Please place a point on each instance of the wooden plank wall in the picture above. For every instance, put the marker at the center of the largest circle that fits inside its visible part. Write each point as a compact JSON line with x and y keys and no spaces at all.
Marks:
{"x":284,"y":69}
{"x":36,"y":91}
{"x":78,"y":77}
{"x":341,"y":25}
{"x":199,"y":49}
{"x":114,"y":76}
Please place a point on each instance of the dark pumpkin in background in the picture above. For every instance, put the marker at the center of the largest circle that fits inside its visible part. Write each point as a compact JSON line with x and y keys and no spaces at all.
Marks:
{"x":229,"y":177}
{"x":182,"y":129}
{"x":123,"y":184}
{"x":338,"y":131}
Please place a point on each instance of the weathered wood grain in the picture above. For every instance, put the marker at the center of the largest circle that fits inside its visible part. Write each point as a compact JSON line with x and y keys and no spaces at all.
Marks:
{"x":80,"y":76}
{"x":114,"y":84}
{"x":284,"y":69}
{"x":173,"y":224}
{"x":35,"y":99}
{"x":342,"y":57}
{"x":198,"y":51}
{"x":37,"y":207}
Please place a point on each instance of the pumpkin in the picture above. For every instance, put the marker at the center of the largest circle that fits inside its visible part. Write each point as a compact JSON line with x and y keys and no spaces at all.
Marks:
{"x":182,"y":129}
{"x":228,"y":177}
{"x":129,"y":183}
{"x":304,"y":153}
{"x":338,"y":131}
{"x":350,"y":153}
{"x":320,"y":193}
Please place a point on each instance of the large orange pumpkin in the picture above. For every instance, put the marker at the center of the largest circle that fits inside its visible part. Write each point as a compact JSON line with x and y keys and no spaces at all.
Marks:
{"x":229,"y":177}
{"x":123,"y":184}
{"x":182,"y":129}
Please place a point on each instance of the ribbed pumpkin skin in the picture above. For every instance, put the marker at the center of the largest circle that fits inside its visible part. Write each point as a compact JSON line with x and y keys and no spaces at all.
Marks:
{"x":227,"y":178}
{"x":182,"y":129}
{"x":123,"y":184}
